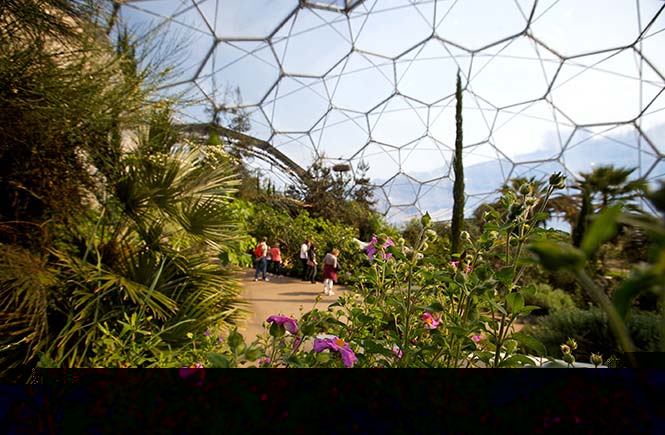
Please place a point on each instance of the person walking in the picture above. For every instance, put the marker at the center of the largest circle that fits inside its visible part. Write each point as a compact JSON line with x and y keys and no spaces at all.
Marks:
{"x":330,"y":268}
{"x":261,"y":252}
{"x":311,"y":263}
{"x":276,"y":260}
{"x":303,"y":258}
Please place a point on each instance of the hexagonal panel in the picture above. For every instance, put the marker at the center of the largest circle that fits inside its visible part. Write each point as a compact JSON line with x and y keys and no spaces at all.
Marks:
{"x":398,"y":121}
{"x":434,"y":63}
{"x":436,"y":197}
{"x":460,"y":22}
{"x":348,"y":86}
{"x":572,"y":27}
{"x":341,"y":133}
{"x":392,"y":27}
{"x":239,"y":18}
{"x":514,"y":72}
{"x":383,"y":161}
{"x":249,"y":66}
{"x":425,"y":159}
{"x":613,"y":145}
{"x":532,"y":131}
{"x":599,"y":88}
{"x":312,"y":42}
{"x":296,"y":104}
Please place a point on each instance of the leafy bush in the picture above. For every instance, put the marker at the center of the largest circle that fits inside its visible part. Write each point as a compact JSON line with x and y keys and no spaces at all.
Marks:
{"x":547,"y":299}
{"x":590,"y":328}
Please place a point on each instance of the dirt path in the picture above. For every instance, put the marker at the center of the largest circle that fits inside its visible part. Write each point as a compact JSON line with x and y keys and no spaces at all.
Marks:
{"x":280,"y":295}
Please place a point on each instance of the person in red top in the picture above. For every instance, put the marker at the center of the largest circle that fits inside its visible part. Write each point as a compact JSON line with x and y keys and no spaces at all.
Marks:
{"x":276,"y":260}
{"x":330,"y":267}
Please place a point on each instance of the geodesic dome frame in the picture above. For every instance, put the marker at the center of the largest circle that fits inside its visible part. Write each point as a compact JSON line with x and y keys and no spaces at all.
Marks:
{"x":556,"y":85}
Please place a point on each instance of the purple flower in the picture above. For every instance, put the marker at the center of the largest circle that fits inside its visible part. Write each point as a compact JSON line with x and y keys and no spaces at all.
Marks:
{"x":265,"y":360}
{"x":476,"y":338}
{"x":430,"y":322}
{"x":289,"y":323}
{"x":207,"y":333}
{"x":372,"y":249}
{"x":296,"y":343}
{"x":338,"y":345}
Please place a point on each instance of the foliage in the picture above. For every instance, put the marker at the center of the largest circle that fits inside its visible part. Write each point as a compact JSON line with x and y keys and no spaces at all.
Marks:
{"x":457,"y":223}
{"x":413,"y":309}
{"x":591,"y":330}
{"x":547,"y":298}
{"x":124,"y":257}
{"x":644,"y":277}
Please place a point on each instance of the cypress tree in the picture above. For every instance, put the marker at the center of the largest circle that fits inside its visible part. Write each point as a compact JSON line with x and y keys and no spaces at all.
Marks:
{"x":458,"y":187}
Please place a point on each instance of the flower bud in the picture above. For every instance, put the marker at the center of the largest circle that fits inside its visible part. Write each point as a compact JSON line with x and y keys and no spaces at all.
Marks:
{"x":557,"y":180}
{"x":464,"y":235}
{"x":596,"y":359}
{"x":426,"y":220}
{"x":572,"y":343}
{"x":431,"y":234}
{"x":565,"y":349}
{"x":531,"y":201}
{"x":493,"y":235}
{"x":569,"y":358}
{"x":525,"y":188}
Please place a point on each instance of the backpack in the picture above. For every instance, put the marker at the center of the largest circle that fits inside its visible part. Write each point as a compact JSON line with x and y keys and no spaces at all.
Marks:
{"x":258,"y":251}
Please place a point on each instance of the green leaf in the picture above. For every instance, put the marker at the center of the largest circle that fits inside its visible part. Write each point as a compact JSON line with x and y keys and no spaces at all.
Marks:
{"x":252,"y":354}
{"x":218,"y":361}
{"x":235,"y":340}
{"x":517,"y":361}
{"x":277,"y":330}
{"x":515,"y":301}
{"x":530,"y":343}
{"x":555,"y":256}
{"x":603,"y":228}
{"x":434,"y":307}
{"x":505,"y":275}
{"x":629,"y":289}
{"x":484,"y":356}
{"x":293,"y":361}
{"x":397,"y":252}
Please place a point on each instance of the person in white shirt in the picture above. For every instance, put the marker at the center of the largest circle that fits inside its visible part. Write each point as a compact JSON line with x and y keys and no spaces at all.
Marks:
{"x":303,"y":258}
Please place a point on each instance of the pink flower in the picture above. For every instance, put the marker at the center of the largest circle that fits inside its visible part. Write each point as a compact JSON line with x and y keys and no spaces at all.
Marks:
{"x":338,"y":345}
{"x":430,"y":322}
{"x":455,"y":264}
{"x":476,"y":338}
{"x":289,"y":323}
{"x":265,"y":360}
{"x":296,"y":343}
{"x":397,"y":351}
{"x":372,"y":249}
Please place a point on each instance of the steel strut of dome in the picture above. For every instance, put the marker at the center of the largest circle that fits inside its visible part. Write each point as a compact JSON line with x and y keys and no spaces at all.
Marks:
{"x":256,"y":147}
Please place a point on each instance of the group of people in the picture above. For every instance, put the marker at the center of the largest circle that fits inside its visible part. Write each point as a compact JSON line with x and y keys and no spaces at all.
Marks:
{"x":265,"y":255}
{"x":308,"y":256}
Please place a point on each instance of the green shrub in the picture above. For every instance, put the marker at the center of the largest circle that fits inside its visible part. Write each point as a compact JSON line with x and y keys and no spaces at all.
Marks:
{"x":548,"y":299}
{"x":591,"y":331}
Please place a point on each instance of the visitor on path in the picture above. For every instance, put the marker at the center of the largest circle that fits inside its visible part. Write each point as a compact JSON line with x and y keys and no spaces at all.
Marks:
{"x":330,"y":268}
{"x":303,"y":258}
{"x":311,"y":263}
{"x":276,"y":260}
{"x":261,"y":252}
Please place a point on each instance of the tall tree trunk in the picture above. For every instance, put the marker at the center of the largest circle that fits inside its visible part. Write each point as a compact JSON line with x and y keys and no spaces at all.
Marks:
{"x":458,"y":188}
